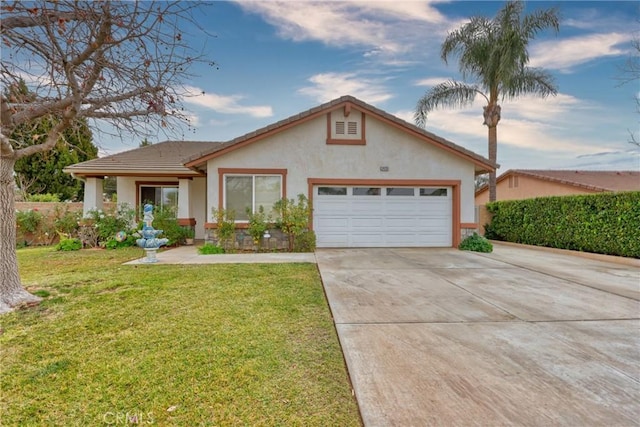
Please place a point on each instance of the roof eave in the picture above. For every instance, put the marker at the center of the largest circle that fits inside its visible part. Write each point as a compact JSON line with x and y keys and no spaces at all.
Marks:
{"x":131,"y":172}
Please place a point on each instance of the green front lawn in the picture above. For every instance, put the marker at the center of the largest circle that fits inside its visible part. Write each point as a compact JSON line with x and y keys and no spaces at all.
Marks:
{"x":170,"y":345}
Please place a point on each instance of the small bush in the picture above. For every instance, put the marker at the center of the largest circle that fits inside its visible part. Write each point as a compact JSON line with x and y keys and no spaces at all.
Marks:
{"x":29,"y":220}
{"x":65,"y":221}
{"x":305,"y":242}
{"x":167,"y":222}
{"x":476,"y":243}
{"x":258,"y":223}
{"x":43,"y":198}
{"x":293,"y":218}
{"x":113,"y":243}
{"x":108,"y":223}
{"x":226,"y":227}
{"x":210,"y":249}
{"x":69,"y":245}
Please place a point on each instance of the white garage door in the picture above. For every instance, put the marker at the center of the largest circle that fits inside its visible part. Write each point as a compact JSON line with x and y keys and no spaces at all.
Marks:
{"x":363,"y":216}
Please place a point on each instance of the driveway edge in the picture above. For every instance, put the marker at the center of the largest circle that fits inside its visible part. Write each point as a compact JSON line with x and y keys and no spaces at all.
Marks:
{"x":633,"y":262}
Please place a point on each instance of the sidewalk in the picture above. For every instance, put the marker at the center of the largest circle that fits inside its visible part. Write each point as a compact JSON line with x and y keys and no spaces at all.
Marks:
{"x":189,"y":255}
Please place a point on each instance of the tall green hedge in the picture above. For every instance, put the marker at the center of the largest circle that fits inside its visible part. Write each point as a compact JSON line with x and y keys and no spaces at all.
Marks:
{"x":607,"y":223}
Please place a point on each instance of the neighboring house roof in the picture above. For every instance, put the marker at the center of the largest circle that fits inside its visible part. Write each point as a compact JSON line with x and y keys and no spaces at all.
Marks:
{"x":589,"y":180}
{"x":482,"y":164}
{"x":160,"y":159}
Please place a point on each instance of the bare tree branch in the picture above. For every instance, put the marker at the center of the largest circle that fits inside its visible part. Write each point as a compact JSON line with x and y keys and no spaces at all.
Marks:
{"x":114,"y":61}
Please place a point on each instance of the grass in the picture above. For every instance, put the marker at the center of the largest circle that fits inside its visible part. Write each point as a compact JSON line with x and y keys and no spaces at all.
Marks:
{"x":170,"y":345}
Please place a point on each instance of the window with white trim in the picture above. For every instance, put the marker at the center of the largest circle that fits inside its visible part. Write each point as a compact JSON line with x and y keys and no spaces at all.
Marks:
{"x":242,"y":192}
{"x":164,"y":198}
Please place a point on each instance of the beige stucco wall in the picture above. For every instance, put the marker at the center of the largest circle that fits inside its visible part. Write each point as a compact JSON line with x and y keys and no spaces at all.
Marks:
{"x":126,"y":187}
{"x":303,"y":151}
{"x":528,"y":188}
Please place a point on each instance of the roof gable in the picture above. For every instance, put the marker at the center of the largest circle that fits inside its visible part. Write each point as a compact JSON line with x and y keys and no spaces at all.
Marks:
{"x":482,"y":164}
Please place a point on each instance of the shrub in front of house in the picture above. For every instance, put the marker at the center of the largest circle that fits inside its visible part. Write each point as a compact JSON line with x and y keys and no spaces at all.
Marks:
{"x":210,"y":249}
{"x":476,"y":243}
{"x":107,"y":223}
{"x":44,"y":198}
{"x":69,"y":244}
{"x":42,"y":227}
{"x":293,"y":218}
{"x":171,"y":229}
{"x":305,"y":242}
{"x":34,"y":228}
{"x":606,"y":223}
{"x":259,"y":223}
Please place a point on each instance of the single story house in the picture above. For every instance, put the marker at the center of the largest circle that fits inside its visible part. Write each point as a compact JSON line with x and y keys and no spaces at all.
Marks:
{"x":373,"y":180}
{"x":516,"y":184}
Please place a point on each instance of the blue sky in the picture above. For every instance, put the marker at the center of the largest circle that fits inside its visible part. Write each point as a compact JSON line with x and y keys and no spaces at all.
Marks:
{"x":279,"y":58}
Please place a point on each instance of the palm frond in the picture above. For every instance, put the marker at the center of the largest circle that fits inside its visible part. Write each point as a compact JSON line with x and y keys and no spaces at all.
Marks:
{"x":530,"y":80}
{"x":540,"y":20}
{"x":447,"y":94}
{"x":465,"y":38}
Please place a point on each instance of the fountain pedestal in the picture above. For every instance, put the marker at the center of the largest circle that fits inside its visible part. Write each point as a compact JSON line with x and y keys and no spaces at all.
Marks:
{"x":151,"y":255}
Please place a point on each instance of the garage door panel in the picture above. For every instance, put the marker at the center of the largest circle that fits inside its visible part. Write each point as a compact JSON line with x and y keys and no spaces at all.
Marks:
{"x":332,"y":240}
{"x":363,"y":207}
{"x":366,"y":239}
{"x":399,"y":224}
{"x":366,"y":222}
{"x":333,"y":224}
{"x":331,"y":207}
{"x":383,"y":220}
{"x":403,"y":208}
{"x":405,"y":239}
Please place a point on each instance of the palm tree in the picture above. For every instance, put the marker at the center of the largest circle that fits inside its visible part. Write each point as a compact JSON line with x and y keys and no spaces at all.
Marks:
{"x":493,"y":53}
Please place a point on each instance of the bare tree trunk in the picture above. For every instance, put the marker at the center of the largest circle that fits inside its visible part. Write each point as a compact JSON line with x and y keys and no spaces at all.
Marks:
{"x":12,"y":294}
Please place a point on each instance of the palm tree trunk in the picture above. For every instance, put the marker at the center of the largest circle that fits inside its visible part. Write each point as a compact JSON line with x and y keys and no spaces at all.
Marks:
{"x":12,"y":294}
{"x":493,"y":155}
{"x":492,"y":113}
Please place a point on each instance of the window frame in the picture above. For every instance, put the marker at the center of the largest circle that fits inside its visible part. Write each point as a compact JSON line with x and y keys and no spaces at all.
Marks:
{"x":222,"y":187}
{"x":156,"y":184}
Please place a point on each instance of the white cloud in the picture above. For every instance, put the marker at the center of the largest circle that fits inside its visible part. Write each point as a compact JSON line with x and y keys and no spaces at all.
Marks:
{"x":567,"y":53}
{"x":552,"y":126}
{"x":551,"y":109}
{"x":224,"y":104}
{"x":328,"y":86}
{"x":431,"y":81}
{"x":382,"y":27}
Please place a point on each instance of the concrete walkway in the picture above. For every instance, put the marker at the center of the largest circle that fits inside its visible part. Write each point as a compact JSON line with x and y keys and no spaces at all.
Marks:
{"x":190,"y":255}
{"x":516,"y":337}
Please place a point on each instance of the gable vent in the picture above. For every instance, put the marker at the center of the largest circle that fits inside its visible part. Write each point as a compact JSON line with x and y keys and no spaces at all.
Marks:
{"x":339,"y":128}
{"x":352,"y":128}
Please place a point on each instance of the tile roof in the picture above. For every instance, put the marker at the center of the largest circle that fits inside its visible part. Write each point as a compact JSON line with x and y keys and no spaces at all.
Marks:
{"x":160,"y":159}
{"x":590,"y":180}
{"x":187,"y":158}
{"x":238,"y":142}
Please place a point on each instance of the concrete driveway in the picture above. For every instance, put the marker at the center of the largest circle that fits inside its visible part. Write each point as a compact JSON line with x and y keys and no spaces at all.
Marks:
{"x":516,"y":337}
